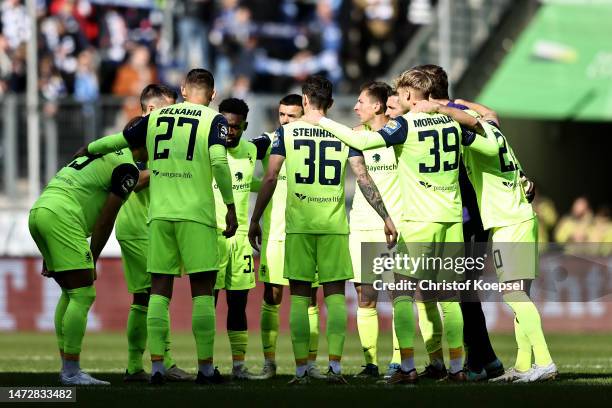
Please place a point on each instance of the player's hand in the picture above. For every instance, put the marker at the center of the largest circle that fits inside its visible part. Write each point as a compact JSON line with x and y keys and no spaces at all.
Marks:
{"x":45,"y":272}
{"x":312,"y":117}
{"x":528,"y":188}
{"x":390,"y":233}
{"x":81,"y":152}
{"x":425,"y":106}
{"x":231,"y":221}
{"x":255,"y":235}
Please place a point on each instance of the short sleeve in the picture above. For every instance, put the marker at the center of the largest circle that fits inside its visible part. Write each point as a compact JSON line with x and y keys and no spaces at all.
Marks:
{"x":354,"y":152}
{"x":124,"y":179}
{"x":278,"y":144}
{"x":136,"y":135}
{"x":218,"y":131}
{"x":395,"y":131}
{"x":262,"y":143}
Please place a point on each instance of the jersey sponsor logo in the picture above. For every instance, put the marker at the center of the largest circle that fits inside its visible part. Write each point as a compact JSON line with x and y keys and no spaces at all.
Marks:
{"x":431,"y":187}
{"x":509,"y":184}
{"x":310,"y":199}
{"x":381,"y":167}
{"x":238,"y":176}
{"x":300,"y":196}
{"x":391,"y":127}
{"x":181,"y":111}
{"x":376,"y":158}
{"x":436,"y":120}
{"x":172,"y":174}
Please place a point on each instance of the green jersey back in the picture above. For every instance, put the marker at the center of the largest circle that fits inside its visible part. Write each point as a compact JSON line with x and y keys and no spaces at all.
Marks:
{"x":273,"y":223}
{"x":177,"y":138}
{"x":82,"y":187}
{"x":428,"y":149}
{"x":316,"y":164}
{"x":496,"y":180}
{"x":241,"y":160}
{"x":131,"y":221}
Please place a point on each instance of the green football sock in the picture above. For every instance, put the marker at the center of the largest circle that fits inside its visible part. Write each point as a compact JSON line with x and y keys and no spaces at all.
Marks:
{"x":75,"y":318}
{"x":238,"y":344}
{"x":523,"y":352}
{"x":269,"y":329}
{"x":396,"y":358}
{"x":203,"y":326}
{"x":313,"y":323}
{"x":60,"y":311}
{"x":168,"y":360}
{"x":336,"y":325}
{"x":403,"y":317}
{"x":431,"y":327}
{"x":158,"y":325}
{"x":367,"y":325}
{"x":136,"y":337}
{"x":529,"y":321}
{"x":453,"y":328}
{"x":300,"y":327}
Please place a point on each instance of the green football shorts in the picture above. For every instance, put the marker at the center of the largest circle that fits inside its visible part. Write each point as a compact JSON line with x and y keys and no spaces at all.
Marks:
{"x":515,"y":251}
{"x":60,"y":239}
{"x":187,"y":244}
{"x":356,"y":238}
{"x":272,"y":263}
{"x":236,"y":263}
{"x":325,"y":254}
{"x":426,"y":240}
{"x":134,"y":259}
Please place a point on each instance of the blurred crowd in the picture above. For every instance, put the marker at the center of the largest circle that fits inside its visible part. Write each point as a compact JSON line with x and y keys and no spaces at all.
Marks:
{"x":589,"y":230}
{"x":92,"y":47}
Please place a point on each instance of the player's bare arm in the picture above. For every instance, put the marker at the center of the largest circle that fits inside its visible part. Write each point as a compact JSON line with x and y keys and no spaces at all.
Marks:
{"x":373,"y":197}
{"x":143,"y":180}
{"x":268,"y":185}
{"x":104,"y":224}
{"x":486,"y":113}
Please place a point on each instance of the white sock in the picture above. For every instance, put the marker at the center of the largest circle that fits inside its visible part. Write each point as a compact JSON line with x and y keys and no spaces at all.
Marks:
{"x":157,"y":367}
{"x":407,"y":364}
{"x":71,"y":367}
{"x":311,"y":363}
{"x":335,"y":366}
{"x":206,"y":369}
{"x":456,"y":365}
{"x":237,"y":363}
{"x":300,"y":370}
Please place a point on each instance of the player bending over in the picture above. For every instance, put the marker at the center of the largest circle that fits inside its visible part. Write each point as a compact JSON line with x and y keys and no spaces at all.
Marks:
{"x":81,"y":201}
{"x":271,"y":263}
{"x":186,"y":149}
{"x":132,"y":234}
{"x":428,"y":149}
{"x":316,"y":228}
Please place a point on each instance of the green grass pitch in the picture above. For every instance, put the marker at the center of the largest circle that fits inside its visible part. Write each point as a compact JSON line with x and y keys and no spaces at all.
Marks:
{"x":584,"y":361}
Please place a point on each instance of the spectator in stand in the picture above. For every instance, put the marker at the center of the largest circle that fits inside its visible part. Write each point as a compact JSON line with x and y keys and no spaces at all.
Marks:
{"x":193,"y":21}
{"x":86,"y":89}
{"x":15,"y":23}
{"x":575,"y":226}
{"x":6,"y":66}
{"x":51,"y":85}
{"x":132,"y":77}
{"x":112,"y":46}
{"x":547,"y":218}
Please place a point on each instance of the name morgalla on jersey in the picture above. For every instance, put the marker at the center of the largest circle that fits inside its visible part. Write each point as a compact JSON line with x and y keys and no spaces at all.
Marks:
{"x":177,"y":139}
{"x":315,"y":165}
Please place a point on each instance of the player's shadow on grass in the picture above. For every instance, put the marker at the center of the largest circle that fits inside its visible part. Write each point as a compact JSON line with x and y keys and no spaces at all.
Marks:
{"x":584,"y":376}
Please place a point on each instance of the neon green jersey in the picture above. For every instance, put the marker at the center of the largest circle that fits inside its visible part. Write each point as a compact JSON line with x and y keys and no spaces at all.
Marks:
{"x":273,"y":223}
{"x":82,"y":187}
{"x":241,"y":160}
{"x":382,"y":167}
{"x":177,"y":139}
{"x":131,"y":221}
{"x":315,"y":163}
{"x":496,"y":181}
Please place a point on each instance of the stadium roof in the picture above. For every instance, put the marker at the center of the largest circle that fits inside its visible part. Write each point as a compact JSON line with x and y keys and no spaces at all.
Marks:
{"x":560,"y":68}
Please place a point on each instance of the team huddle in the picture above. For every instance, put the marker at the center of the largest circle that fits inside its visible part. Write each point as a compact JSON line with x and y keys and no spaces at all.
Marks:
{"x":176,"y":184}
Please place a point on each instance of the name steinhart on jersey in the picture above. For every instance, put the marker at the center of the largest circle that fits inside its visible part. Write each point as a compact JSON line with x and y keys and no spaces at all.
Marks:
{"x":428,"y":285}
{"x":311,"y":132}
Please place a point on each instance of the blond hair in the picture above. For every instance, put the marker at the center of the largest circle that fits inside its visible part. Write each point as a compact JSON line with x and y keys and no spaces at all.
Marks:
{"x":415,"y":79}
